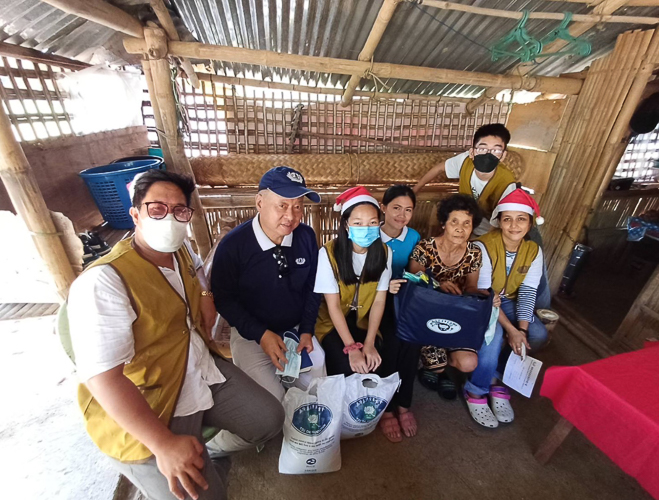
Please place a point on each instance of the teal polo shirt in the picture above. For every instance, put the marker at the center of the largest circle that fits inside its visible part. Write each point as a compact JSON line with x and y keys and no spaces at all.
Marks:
{"x":401,"y":249}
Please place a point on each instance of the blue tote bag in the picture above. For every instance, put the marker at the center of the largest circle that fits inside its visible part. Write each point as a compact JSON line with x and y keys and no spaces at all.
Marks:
{"x":431,"y":317}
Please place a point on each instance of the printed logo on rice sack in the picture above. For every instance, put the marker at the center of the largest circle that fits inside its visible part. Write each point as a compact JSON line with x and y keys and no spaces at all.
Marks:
{"x":443,"y":326}
{"x":312,"y":419}
{"x":365,"y":409}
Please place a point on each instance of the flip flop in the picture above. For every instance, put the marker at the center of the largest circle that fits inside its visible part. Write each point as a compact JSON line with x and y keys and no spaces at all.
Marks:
{"x":481,"y":412}
{"x":447,"y":389}
{"x":428,"y":379}
{"x":389,"y":425}
{"x":500,"y":404}
{"x":407,"y":423}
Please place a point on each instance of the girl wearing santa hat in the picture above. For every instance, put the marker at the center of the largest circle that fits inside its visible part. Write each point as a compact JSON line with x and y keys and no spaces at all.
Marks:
{"x":512,"y":266}
{"x":353,"y":275}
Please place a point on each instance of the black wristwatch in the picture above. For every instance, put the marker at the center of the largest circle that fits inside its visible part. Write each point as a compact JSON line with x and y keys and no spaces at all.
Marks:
{"x":524,"y":330}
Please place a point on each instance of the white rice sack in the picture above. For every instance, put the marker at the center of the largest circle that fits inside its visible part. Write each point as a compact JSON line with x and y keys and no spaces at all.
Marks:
{"x":312,"y":428}
{"x":367,"y":396}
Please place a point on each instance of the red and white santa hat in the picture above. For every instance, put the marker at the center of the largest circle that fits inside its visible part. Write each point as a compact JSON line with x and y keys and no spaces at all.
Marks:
{"x":352,"y":197}
{"x":517,"y":201}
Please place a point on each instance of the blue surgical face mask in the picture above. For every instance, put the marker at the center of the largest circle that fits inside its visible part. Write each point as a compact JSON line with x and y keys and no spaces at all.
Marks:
{"x":364,"y":236}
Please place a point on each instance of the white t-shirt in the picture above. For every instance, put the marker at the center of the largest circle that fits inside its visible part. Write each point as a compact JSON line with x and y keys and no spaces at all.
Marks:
{"x":532,"y":278}
{"x":326,"y":282}
{"x":101,"y":323}
{"x":452,"y":168}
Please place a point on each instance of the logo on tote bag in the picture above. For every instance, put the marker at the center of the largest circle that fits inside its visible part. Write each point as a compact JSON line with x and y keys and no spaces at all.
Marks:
{"x":365,"y":409}
{"x":311,"y":419}
{"x":443,"y":326}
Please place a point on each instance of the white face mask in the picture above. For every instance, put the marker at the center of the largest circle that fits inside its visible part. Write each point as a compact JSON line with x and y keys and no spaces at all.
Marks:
{"x":164,"y":235}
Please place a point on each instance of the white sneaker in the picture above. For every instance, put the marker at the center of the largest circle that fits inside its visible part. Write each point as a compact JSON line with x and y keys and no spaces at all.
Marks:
{"x":481,"y":412}
{"x":500,"y":404}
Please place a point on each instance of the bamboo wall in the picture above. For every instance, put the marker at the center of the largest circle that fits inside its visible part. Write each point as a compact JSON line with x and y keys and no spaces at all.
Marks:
{"x":593,"y":143}
{"x":223,"y":119}
{"x":642,"y":320}
{"x":34,"y":104}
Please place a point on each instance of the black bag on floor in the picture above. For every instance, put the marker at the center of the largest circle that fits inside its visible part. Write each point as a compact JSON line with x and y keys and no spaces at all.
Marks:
{"x":431,"y":317}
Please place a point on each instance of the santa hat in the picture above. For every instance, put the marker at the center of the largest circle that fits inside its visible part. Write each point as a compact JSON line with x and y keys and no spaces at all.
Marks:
{"x":352,"y":197}
{"x":517,"y":201}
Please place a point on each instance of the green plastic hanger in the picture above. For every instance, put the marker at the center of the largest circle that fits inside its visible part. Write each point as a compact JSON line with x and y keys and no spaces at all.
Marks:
{"x":576,"y":46}
{"x":528,"y":47}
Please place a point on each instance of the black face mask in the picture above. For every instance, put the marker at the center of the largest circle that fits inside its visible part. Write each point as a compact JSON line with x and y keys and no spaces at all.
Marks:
{"x":485,"y":163}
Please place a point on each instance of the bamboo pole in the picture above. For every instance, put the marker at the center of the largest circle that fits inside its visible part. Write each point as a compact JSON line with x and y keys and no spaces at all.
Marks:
{"x":10,"y":50}
{"x":167,"y":24}
{"x":557,"y":16}
{"x":379,"y":26}
{"x":162,"y":85}
{"x":157,"y":116}
{"x":195,"y":50}
{"x":102,"y":13}
{"x":26,"y":197}
{"x":307,"y":89}
{"x":629,"y":3}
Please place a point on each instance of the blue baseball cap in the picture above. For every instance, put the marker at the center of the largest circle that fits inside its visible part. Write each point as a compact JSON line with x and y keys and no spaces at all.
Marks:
{"x":287,"y":183}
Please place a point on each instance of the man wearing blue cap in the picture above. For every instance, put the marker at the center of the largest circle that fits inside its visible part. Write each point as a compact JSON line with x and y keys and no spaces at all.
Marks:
{"x":262,"y":281}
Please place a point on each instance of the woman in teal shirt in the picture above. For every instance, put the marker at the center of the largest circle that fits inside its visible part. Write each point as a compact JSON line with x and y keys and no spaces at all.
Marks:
{"x":398,"y":205}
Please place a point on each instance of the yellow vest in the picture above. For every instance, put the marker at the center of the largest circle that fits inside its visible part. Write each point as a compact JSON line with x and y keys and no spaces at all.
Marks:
{"x":496,"y":250}
{"x":162,"y":341}
{"x":367,"y":292}
{"x":492,"y":191}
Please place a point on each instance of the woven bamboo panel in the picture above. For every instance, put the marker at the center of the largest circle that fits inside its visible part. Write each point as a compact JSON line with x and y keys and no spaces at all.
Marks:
{"x":326,"y":170}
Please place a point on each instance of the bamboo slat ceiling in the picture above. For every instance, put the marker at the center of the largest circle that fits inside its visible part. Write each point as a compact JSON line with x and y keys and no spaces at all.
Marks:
{"x":334,"y":28}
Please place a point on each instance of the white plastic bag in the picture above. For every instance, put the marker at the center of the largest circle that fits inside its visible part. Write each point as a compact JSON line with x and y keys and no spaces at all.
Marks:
{"x":312,"y":428}
{"x":367,"y":396}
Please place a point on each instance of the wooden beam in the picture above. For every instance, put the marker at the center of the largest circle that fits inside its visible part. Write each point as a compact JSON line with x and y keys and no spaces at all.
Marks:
{"x":156,"y":41}
{"x":553,"y":441}
{"x":252,"y":82}
{"x":157,"y":115}
{"x":374,"y":37}
{"x":557,"y":16}
{"x":195,"y":50}
{"x":101,"y":13}
{"x":28,"y":54}
{"x":167,"y":24}
{"x":26,"y":197}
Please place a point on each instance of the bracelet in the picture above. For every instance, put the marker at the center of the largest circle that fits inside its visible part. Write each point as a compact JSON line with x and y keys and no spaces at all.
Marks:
{"x":352,"y":347}
{"x":207,"y":293}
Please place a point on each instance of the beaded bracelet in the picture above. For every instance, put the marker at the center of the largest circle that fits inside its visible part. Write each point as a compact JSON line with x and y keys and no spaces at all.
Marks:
{"x":352,"y":347}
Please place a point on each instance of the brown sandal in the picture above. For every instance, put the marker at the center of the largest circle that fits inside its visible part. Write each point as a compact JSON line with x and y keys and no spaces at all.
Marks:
{"x":390,"y":427}
{"x":407,"y":423}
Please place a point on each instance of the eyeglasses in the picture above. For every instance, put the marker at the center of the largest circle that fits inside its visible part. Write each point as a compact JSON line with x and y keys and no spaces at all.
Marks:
{"x":282,"y":261}
{"x":483,"y":151}
{"x":157,"y":210}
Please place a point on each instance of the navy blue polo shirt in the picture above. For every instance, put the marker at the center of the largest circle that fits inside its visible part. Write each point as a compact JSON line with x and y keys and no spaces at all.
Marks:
{"x":251,"y":292}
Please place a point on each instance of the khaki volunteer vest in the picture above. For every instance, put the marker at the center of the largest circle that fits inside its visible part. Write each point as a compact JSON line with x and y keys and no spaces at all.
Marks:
{"x":162,"y":340}
{"x":496,"y":250}
{"x":367,"y":292}
{"x":492,"y":191}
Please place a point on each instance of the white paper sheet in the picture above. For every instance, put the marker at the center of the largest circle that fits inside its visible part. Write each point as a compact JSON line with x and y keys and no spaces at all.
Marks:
{"x":521,"y":375}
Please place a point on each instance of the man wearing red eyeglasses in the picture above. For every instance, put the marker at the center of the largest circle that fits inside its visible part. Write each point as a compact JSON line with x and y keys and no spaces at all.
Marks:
{"x":139,"y":321}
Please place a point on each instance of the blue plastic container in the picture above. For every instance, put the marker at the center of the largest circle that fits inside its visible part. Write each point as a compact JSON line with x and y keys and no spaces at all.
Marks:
{"x":108,"y":186}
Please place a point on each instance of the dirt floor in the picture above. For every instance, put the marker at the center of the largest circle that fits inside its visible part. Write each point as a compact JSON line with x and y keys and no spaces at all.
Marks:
{"x":45,"y":453}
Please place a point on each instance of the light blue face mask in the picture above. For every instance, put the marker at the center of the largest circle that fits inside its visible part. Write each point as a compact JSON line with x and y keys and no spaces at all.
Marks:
{"x":364,"y":236}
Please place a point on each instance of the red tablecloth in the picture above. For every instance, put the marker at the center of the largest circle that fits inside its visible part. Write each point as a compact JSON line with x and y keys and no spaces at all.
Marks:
{"x":614,"y":402}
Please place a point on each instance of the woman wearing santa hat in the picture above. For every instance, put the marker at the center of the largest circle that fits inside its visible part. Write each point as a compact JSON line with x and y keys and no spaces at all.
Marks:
{"x":512,"y":266}
{"x":353,"y":275}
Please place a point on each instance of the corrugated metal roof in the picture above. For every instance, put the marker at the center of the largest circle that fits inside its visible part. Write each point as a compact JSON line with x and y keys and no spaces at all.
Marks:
{"x":34,"y":24}
{"x":416,"y":35}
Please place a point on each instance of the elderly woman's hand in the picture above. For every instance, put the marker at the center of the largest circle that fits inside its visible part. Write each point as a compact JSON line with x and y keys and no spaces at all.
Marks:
{"x":394,"y":286}
{"x":450,"y":287}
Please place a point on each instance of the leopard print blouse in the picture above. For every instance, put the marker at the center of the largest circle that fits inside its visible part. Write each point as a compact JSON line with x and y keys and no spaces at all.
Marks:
{"x":425,"y":253}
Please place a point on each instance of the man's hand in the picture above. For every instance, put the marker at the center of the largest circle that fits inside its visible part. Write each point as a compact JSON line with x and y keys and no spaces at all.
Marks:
{"x":273,"y":345}
{"x":450,"y":287}
{"x":306,"y":342}
{"x":208,"y":315}
{"x":372,"y":356}
{"x":180,"y":460}
{"x":394,"y":286}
